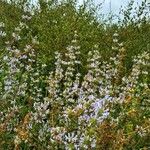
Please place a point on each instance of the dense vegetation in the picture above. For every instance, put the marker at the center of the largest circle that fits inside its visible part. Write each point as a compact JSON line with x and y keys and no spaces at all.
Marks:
{"x":71,"y":79}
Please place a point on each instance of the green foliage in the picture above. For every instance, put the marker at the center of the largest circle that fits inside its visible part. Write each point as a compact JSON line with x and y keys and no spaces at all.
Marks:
{"x":56,"y":22}
{"x":70,"y":80}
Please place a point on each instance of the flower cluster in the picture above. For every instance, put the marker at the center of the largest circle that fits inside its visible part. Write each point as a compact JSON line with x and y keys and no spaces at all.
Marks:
{"x":103,"y":109}
{"x":2,"y":32}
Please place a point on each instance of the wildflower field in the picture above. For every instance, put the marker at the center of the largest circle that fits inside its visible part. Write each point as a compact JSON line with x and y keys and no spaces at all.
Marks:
{"x":73,"y":80}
